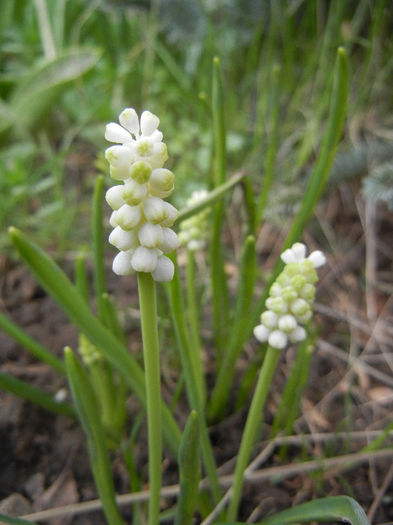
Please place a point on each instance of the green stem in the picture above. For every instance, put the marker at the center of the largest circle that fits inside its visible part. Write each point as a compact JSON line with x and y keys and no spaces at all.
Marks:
{"x":194,"y":326}
{"x":253,"y":423}
{"x":148,"y":307}
{"x":98,"y":243}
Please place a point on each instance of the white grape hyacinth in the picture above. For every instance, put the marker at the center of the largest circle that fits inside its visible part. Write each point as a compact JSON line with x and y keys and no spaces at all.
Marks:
{"x":194,"y":230}
{"x":291,"y":297}
{"x":141,"y":219}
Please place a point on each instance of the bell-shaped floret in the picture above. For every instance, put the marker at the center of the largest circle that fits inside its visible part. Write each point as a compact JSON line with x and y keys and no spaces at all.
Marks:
{"x":140,"y":171}
{"x":277,"y":339}
{"x":269,"y":319}
{"x":149,"y":123}
{"x":287,"y":323}
{"x":114,"y":197}
{"x":261,"y":332}
{"x":170,"y":240}
{"x":133,"y":193}
{"x":150,"y":235}
{"x":128,"y":118}
{"x":144,"y":259}
{"x":122,"y":264}
{"x":128,"y":217}
{"x":164,"y":270}
{"x":115,"y":133}
{"x":123,"y":240}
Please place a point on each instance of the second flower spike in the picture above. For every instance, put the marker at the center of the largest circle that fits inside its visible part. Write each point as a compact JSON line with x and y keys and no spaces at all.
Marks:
{"x":141,"y":218}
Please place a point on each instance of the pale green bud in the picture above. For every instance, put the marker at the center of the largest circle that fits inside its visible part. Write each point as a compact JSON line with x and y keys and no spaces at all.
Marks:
{"x":140,"y":171}
{"x":133,"y":193}
{"x":288,"y":294}
{"x":277,"y":305}
{"x":300,"y":307}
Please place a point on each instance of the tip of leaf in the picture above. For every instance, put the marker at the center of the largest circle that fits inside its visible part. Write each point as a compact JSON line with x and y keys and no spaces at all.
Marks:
{"x":67,"y":351}
{"x":341,"y":51}
{"x":216,"y":61}
{"x":12,"y":230}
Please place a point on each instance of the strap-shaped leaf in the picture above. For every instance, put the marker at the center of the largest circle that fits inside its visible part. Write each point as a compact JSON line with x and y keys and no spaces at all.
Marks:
{"x":14,"y":521}
{"x":338,"y":508}
{"x":341,"y":508}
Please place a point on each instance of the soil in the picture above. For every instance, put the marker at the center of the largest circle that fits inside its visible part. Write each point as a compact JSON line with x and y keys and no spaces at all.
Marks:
{"x":43,"y":460}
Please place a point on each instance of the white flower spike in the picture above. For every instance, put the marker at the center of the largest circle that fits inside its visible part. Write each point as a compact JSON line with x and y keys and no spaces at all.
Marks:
{"x":141,"y":219}
{"x":291,"y":298}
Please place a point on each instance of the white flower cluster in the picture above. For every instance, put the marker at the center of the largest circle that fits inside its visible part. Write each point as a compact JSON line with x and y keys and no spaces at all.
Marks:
{"x":194,"y":230}
{"x":141,"y":219}
{"x":291,"y":298}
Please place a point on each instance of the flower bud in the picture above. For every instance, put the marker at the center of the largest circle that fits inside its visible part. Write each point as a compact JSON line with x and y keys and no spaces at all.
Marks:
{"x":128,"y":118}
{"x":155,"y":210}
{"x":261,"y":333}
{"x":164,"y":270}
{"x":123,"y":240}
{"x":299,"y":334}
{"x":269,"y":319}
{"x":150,"y":235}
{"x":128,"y":216}
{"x":171,"y":215}
{"x":277,"y":339}
{"x":114,"y":197}
{"x":277,"y":305}
{"x":287,"y":323}
{"x":144,"y":259}
{"x":115,"y":133}
{"x":300,"y":307}
{"x":170,"y":240}
{"x":140,"y":171}
{"x":122,"y":264}
{"x":133,"y":193}
{"x":149,"y":123}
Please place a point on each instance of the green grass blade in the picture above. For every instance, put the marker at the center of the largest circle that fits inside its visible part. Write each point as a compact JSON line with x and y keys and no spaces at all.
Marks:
{"x":89,"y":416}
{"x":341,"y":508}
{"x":190,"y":471}
{"x":56,"y":283}
{"x":34,"y":395}
{"x":15,"y":521}
{"x":98,"y":242}
{"x":81,"y":279}
{"x":34,"y":348}
{"x":213,"y":197}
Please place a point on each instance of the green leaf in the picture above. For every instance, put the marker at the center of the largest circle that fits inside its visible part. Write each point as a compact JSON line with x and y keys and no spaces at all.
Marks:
{"x":34,"y":395}
{"x":190,"y":471}
{"x":89,"y":416}
{"x":37,"y":93}
{"x":15,"y":521}
{"x":338,"y":508}
{"x":342,"y":508}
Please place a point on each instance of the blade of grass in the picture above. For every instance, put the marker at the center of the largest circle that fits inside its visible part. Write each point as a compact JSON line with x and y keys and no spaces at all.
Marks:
{"x":189,"y":471}
{"x":34,"y":348}
{"x":98,"y":243}
{"x":34,"y":395}
{"x":219,"y":285}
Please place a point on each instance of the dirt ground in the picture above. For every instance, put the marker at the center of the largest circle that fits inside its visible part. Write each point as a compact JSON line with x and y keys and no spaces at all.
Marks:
{"x":43,"y":460}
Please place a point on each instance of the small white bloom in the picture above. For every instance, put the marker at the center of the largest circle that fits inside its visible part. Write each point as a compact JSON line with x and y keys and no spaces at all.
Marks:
{"x":144,"y":259}
{"x":140,"y":171}
{"x":269,"y":319}
{"x":300,"y":307}
{"x":150,"y":235}
{"x":133,"y":193}
{"x":161,"y":179}
{"x":171,"y":215}
{"x":114,"y":197}
{"x":155,"y":210}
{"x":112,"y":220}
{"x":261,"y":333}
{"x":299,"y":251}
{"x":128,"y":118}
{"x":149,"y":123}
{"x":277,"y":339}
{"x":123,"y":240}
{"x":317,"y":258}
{"x":122,"y":264}
{"x":287,"y":323}
{"x":115,"y":133}
{"x":170,"y":240}
{"x":299,"y":334}
{"x":164,"y":270}
{"x":128,"y":217}
{"x":119,"y":156}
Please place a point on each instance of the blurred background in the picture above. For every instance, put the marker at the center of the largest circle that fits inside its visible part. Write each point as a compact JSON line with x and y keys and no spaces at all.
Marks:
{"x":70,"y":66}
